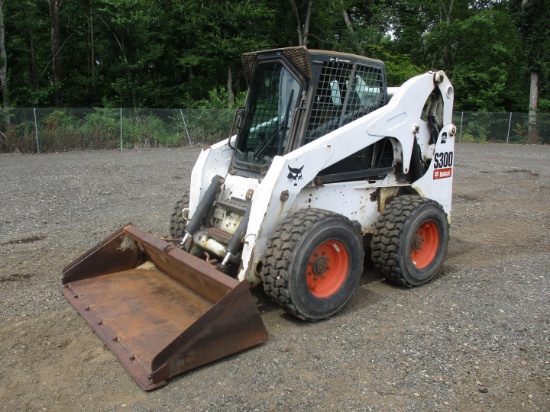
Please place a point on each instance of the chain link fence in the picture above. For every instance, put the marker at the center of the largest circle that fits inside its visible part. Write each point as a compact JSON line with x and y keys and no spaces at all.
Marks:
{"x":499,"y":127}
{"x":41,"y":130}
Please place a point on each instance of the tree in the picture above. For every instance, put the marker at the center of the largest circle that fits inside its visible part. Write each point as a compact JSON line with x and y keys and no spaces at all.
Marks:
{"x":486,"y":76}
{"x":215,"y":35}
{"x":3,"y":59}
{"x":302,"y":28}
{"x":56,"y":49}
{"x":28,"y":52}
{"x":533,"y":19}
{"x":366,"y":26}
{"x":179,"y":53}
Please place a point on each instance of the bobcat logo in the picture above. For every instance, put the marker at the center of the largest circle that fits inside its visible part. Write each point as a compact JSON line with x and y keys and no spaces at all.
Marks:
{"x":294,"y":175}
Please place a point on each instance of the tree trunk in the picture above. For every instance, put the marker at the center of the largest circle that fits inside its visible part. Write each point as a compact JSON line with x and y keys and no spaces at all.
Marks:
{"x":55,"y":45}
{"x":445,"y":14}
{"x":34,"y":72}
{"x":3,"y":58}
{"x":230,"y":94}
{"x":346,"y":18}
{"x":92,"y":46}
{"x":531,"y":58}
{"x":303,"y":33}
{"x":349,"y":26}
{"x":299,"y":25}
{"x":533,"y":106}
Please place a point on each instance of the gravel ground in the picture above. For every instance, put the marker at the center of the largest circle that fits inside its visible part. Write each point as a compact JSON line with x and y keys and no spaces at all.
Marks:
{"x":476,"y":338}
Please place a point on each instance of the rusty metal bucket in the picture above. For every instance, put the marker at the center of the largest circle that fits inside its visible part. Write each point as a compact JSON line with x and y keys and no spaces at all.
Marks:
{"x":160,"y":310}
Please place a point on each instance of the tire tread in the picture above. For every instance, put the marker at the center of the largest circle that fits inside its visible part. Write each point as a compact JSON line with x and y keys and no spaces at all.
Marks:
{"x":280,"y":252}
{"x":385,"y":244}
{"x":177,"y":223}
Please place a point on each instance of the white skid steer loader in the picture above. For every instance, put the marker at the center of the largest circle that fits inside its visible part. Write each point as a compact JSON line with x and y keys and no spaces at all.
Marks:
{"x":325,"y":160}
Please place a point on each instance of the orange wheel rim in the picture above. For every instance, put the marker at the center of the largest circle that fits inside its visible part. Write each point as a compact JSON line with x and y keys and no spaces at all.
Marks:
{"x":425,"y":245}
{"x":327,"y":268}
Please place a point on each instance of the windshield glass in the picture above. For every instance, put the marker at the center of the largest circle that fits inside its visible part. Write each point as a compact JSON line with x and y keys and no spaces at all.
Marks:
{"x":272,"y":99}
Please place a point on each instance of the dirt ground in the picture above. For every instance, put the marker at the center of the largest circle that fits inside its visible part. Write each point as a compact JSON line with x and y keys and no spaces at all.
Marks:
{"x":476,"y":338}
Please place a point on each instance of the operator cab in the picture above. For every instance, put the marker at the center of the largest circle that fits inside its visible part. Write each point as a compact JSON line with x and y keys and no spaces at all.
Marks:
{"x":275,"y":91}
{"x":296,"y":96}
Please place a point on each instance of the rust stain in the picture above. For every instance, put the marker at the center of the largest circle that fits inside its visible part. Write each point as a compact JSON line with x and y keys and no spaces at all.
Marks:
{"x":160,"y":310}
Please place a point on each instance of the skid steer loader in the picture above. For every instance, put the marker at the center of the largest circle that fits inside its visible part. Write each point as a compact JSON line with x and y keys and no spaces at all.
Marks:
{"x":325,"y":163}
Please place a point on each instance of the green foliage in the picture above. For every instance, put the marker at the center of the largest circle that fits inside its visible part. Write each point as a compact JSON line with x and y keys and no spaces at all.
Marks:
{"x":18,"y":131}
{"x":468,"y":138}
{"x":62,"y":130}
{"x":544,"y":105}
{"x":486,"y":127}
{"x":218,"y":98}
{"x":478,"y":130}
{"x":533,"y":20}
{"x":178,"y":53}
{"x":483,"y":76}
{"x":399,"y":67}
{"x":103,"y":128}
{"x":209,"y":126}
{"x":520,"y":133}
{"x":145,"y":130}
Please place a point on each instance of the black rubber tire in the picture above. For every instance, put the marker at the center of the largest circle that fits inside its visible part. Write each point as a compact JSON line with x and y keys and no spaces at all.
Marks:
{"x":177,"y":223}
{"x":394,"y":236}
{"x":289,"y":254}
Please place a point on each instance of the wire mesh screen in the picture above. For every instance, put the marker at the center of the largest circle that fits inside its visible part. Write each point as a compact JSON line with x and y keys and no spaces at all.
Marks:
{"x":345,"y":93}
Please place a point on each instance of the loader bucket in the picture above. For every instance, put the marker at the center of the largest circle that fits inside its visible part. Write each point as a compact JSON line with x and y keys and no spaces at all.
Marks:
{"x":160,"y":310}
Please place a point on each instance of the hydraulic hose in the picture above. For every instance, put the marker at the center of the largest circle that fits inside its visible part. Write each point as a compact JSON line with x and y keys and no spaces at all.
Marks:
{"x":236,"y":239}
{"x":203,"y":207}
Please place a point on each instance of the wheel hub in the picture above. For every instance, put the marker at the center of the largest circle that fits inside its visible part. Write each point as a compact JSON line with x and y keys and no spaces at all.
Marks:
{"x":320,"y":266}
{"x":425,"y":244}
{"x":418,"y":240}
{"x":324,"y":280}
